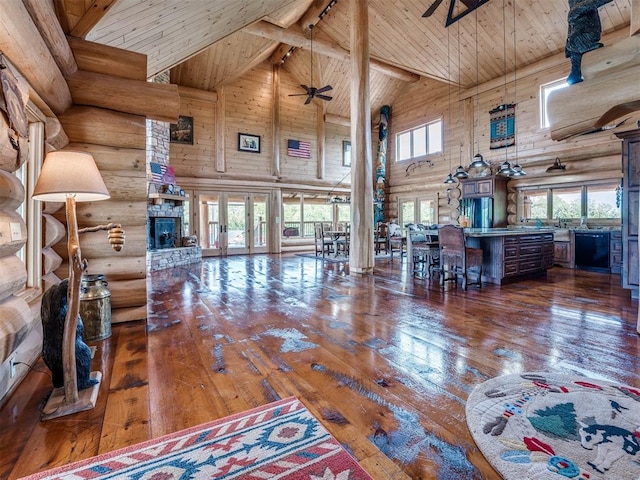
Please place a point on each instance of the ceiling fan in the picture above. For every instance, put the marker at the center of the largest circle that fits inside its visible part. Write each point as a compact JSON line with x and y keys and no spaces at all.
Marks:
{"x":469,"y":6}
{"x":313,"y":92}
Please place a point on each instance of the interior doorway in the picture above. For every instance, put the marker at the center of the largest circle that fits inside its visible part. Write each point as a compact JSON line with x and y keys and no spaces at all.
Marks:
{"x":232,"y":223}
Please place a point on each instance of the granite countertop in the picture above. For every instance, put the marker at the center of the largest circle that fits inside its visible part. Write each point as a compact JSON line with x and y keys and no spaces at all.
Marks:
{"x":501,"y":232}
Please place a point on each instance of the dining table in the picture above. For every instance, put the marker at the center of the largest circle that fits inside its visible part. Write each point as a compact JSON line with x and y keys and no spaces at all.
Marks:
{"x":335,"y":236}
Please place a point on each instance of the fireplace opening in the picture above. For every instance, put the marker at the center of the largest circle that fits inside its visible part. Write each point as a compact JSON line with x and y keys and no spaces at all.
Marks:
{"x":165,"y":232}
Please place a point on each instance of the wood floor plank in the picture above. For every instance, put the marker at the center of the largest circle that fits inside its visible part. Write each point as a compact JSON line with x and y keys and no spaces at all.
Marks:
{"x":384,"y":361}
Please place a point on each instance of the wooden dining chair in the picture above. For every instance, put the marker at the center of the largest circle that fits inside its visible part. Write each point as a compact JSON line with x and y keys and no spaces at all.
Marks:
{"x":323,"y":245}
{"x":381,"y":238}
{"x":456,"y":259}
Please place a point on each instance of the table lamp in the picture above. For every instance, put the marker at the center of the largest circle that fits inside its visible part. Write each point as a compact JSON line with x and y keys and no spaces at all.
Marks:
{"x":71,"y":177}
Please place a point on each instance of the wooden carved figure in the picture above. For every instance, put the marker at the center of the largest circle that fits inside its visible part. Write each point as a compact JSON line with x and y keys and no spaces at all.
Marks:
{"x":584,"y":31}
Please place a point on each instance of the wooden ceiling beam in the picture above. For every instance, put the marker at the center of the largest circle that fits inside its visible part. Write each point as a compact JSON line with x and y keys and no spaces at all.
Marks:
{"x":635,"y":17}
{"x":312,"y":15}
{"x":323,"y":47}
{"x":22,"y":43}
{"x":279,"y":53}
{"x":45,"y":19}
{"x":92,"y":16}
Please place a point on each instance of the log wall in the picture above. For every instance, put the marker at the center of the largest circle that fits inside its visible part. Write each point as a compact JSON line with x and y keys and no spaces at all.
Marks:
{"x":589,"y":157}
{"x":121,"y":160}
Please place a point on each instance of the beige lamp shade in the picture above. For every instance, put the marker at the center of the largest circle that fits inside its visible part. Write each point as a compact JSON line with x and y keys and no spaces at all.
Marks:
{"x":67,"y":173}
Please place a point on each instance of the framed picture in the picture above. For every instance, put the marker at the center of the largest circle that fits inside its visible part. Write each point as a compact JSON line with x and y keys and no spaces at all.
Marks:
{"x":248,"y":143}
{"x":346,"y":153}
{"x":181,"y":132}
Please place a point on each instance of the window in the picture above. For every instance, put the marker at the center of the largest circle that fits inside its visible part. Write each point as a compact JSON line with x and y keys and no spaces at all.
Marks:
{"x":417,"y":210}
{"x":535,"y":204}
{"x":602,"y":201}
{"x":301,"y":210}
{"x":567,"y":202}
{"x":593,"y":201}
{"x":419,"y":142}
{"x":545,"y":92}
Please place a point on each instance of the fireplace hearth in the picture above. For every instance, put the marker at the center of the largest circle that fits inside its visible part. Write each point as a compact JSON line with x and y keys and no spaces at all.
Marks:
{"x":164,"y":232}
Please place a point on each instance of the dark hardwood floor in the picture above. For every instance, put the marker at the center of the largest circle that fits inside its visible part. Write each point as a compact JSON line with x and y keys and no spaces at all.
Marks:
{"x":386,"y":361}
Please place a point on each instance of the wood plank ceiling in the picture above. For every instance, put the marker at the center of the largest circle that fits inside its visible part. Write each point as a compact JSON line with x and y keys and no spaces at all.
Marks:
{"x":206,"y":44}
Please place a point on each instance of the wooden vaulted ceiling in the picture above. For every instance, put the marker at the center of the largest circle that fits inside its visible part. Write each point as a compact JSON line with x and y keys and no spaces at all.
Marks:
{"x":207,"y":43}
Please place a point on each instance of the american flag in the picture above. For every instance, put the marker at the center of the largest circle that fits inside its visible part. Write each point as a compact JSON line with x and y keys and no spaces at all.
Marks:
{"x":297,"y":148}
{"x":157,"y":172}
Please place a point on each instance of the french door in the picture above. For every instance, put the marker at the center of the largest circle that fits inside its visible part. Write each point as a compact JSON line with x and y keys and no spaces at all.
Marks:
{"x":232,"y":223}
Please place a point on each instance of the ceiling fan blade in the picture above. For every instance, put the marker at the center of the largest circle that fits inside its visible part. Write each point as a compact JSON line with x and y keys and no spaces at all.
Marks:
{"x":306,"y":89}
{"x":324,"y":97}
{"x":326,"y":88}
{"x":432,"y":8}
{"x":297,"y":94}
{"x":308,"y":100}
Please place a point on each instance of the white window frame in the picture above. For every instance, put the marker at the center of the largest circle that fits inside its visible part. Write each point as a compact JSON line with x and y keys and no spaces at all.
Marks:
{"x":412,"y":132}
{"x":546,"y":90}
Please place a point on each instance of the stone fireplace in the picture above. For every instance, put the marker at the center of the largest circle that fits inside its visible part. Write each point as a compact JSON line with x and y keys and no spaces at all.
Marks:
{"x":164,"y":234}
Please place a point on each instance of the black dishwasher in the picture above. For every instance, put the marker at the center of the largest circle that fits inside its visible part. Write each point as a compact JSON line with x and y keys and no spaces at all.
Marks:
{"x":592,"y":251}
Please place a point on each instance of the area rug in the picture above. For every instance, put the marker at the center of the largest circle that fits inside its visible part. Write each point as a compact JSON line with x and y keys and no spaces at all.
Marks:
{"x":553,"y":426}
{"x":281,"y":440}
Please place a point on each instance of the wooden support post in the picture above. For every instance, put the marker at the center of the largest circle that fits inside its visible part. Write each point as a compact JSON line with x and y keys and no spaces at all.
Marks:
{"x":275,"y":127}
{"x":361,"y":258}
{"x":321,"y":141}
{"x":220,"y":131}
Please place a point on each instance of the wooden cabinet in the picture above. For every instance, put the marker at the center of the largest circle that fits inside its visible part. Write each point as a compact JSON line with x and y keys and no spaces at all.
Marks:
{"x":563,"y":254}
{"x":615,"y":251}
{"x":630,"y":211}
{"x":510,"y":258}
{"x":484,"y":186}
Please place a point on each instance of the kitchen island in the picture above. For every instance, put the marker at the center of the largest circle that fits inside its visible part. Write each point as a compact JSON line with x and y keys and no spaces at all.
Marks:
{"x":509,"y":255}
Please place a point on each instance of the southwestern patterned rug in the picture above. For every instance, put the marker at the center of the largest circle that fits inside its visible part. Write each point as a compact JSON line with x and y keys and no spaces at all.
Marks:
{"x":280,"y":440}
{"x":556,"y":427}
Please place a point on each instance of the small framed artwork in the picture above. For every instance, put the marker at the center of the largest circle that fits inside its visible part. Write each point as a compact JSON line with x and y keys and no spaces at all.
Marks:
{"x":248,"y":143}
{"x":346,"y":153}
{"x":181,"y":132}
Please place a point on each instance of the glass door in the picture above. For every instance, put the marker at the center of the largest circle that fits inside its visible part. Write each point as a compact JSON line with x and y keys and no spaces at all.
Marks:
{"x":233,"y":223}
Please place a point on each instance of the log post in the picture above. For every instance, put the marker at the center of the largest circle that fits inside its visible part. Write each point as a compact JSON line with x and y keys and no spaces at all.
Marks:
{"x":361,"y":258}
{"x":321,"y":141}
{"x":275,"y":132}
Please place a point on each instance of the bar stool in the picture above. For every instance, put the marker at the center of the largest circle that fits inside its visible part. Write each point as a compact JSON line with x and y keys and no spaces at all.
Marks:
{"x":456,"y":259}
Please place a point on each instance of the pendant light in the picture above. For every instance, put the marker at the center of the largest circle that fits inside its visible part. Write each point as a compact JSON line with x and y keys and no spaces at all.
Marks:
{"x":461,"y":172}
{"x":449,"y":180}
{"x":518,"y":171}
{"x":478,"y":160}
{"x":505,"y":169}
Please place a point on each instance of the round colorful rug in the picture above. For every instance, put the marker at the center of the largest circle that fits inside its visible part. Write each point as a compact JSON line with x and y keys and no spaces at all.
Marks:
{"x":551,"y":426}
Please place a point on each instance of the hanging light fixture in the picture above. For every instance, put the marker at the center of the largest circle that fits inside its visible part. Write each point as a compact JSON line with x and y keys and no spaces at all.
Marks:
{"x":557,"y":166}
{"x":461,"y":172}
{"x":518,"y":171}
{"x":478,"y":160}
{"x":506,"y":169}
{"x":449,"y":180}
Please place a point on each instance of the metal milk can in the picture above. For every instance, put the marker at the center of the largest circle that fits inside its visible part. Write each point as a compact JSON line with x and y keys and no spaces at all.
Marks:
{"x":95,"y":307}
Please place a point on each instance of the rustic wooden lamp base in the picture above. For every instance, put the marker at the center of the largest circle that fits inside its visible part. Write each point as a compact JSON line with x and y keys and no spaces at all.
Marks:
{"x":57,"y":407}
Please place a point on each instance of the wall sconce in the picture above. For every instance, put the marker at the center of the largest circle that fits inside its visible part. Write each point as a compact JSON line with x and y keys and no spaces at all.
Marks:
{"x":72,"y":177}
{"x":557,"y":166}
